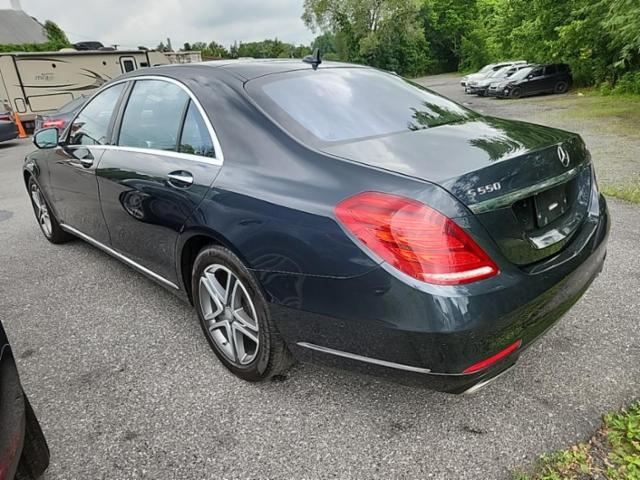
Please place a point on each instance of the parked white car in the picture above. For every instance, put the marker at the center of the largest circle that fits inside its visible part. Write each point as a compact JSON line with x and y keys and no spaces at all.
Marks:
{"x":481,"y":86}
{"x":488,"y":69}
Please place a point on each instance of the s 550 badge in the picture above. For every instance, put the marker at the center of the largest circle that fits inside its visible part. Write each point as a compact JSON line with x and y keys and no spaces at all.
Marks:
{"x":492,"y":187}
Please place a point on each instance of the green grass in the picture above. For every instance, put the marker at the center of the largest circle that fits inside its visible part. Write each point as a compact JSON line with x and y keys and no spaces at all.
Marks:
{"x":612,"y":453}
{"x":618,"y":114}
{"x":630,"y":193}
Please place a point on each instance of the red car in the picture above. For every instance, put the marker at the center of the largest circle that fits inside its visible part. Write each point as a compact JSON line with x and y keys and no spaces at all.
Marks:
{"x":24,"y":453}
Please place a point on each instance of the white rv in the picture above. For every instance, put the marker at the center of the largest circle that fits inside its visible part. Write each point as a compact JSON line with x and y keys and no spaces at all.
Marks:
{"x":31,"y":83}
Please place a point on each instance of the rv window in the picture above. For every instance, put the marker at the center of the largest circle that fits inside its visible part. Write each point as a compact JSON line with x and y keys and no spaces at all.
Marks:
{"x":153,"y":115}
{"x":195,"y":138}
{"x":128,"y":65}
{"x":92,"y":124}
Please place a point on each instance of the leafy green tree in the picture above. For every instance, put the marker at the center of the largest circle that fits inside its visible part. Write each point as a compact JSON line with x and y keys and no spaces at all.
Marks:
{"x":382,"y":33}
{"x":55,"y":35}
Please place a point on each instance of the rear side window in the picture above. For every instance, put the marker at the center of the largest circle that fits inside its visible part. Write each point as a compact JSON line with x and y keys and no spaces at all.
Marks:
{"x":195,"y":138}
{"x":91,"y":126}
{"x":551,"y":70}
{"x":153,"y":115}
{"x":345,"y":104}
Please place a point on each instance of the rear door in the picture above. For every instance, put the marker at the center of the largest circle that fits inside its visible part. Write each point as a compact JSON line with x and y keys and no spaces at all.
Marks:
{"x":164,"y":160}
{"x":550,"y":77}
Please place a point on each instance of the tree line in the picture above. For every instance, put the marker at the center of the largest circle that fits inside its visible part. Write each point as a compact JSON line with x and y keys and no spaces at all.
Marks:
{"x":600,"y":39}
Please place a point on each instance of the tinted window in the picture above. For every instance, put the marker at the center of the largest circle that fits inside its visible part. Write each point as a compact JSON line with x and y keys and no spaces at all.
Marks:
{"x":537,"y":72}
{"x":550,"y":70}
{"x":195,"y":137}
{"x":341,"y":104}
{"x":520,"y":74}
{"x":92,"y":124}
{"x":153,"y":115}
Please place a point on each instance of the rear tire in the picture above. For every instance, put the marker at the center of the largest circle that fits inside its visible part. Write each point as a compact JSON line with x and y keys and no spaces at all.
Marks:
{"x":45,"y":217}
{"x":234,"y":316}
{"x":561,"y":87}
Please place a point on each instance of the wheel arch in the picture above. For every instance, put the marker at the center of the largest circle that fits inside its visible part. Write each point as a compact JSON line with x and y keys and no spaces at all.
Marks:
{"x":189,"y":245}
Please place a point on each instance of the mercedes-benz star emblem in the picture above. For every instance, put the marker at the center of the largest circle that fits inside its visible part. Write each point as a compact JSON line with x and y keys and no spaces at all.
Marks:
{"x":564,"y":157}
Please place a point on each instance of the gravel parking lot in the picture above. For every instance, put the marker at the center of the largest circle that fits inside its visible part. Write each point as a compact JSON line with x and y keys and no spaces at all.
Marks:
{"x":126,"y":387}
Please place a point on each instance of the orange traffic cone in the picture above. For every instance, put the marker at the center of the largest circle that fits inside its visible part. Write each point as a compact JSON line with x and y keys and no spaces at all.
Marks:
{"x":21,"y":132}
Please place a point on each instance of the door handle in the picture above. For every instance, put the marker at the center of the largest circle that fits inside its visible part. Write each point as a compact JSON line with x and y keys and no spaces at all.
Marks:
{"x":86,"y":162}
{"x":84,"y":156}
{"x":180,"y":179}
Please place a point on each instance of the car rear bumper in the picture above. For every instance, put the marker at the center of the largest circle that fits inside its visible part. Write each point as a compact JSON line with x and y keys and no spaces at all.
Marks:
{"x":8,"y":131}
{"x":378,"y":324}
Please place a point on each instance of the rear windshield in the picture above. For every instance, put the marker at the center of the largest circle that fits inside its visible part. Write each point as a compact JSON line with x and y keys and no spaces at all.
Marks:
{"x":344,"y":104}
{"x":72,"y":105}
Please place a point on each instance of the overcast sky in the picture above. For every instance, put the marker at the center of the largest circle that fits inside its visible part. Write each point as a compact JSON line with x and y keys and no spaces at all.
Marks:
{"x":131,"y":23}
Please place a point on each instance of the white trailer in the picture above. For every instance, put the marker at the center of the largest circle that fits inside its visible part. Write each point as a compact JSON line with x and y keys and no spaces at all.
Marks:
{"x":31,"y":83}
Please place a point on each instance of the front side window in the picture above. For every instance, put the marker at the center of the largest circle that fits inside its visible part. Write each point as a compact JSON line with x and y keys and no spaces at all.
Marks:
{"x":91,"y":126}
{"x":536,"y":73}
{"x":153,"y":115}
{"x":195,"y":138}
{"x":346,"y":104}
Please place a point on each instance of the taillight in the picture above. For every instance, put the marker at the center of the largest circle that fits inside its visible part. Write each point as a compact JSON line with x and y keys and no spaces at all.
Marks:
{"x":415,"y":238}
{"x":53,"y":123}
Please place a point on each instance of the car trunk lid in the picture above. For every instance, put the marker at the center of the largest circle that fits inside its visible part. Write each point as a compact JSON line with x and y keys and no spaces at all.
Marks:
{"x":529,"y":185}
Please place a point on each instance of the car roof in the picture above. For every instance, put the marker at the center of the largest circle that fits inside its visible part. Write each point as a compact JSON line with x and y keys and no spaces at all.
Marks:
{"x":246,"y":69}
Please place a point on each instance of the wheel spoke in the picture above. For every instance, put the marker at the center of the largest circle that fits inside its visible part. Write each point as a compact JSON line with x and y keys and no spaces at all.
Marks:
{"x":214,"y":296}
{"x":222,"y":333}
{"x":240,"y":314}
{"x":239,"y":335}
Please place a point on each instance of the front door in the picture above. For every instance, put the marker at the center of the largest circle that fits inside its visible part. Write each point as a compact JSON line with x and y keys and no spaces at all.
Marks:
{"x":72,"y":167}
{"x":158,"y":173}
{"x":535,"y":81}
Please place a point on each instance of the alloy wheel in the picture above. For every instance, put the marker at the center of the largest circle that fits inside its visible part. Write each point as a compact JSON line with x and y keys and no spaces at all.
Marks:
{"x":42,"y":211}
{"x":229,"y":314}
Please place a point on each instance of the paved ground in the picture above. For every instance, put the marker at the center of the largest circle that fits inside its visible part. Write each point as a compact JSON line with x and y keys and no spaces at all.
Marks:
{"x":126,"y":387}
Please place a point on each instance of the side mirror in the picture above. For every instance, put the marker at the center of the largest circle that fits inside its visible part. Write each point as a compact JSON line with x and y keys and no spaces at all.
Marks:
{"x":46,"y":138}
{"x":530,"y":76}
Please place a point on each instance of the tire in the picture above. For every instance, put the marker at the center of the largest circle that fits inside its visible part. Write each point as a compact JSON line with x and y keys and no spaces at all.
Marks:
{"x":234,"y":316}
{"x":561,"y":87}
{"x":516,"y":93}
{"x":45,"y":217}
{"x":35,"y":452}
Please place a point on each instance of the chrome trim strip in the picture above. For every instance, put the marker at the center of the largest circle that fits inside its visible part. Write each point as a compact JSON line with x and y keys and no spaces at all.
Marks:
{"x":118,"y":255}
{"x":151,"y":151}
{"x":512,"y":197}
{"x":360,"y":358}
{"x":218,"y":160}
{"x":484,"y":383}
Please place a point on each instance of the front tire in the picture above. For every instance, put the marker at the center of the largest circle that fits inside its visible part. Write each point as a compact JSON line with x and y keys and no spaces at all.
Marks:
{"x":516,"y":92}
{"x":44,"y":215}
{"x":234,"y":316}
